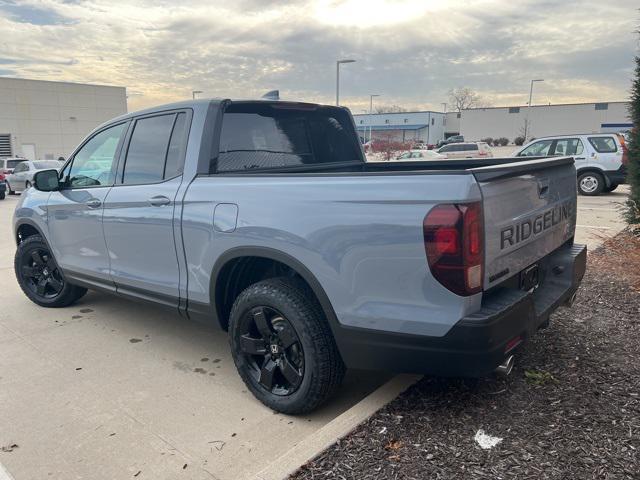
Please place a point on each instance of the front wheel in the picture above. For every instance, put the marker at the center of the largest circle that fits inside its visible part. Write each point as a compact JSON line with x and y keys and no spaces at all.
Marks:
{"x":27,"y":185}
{"x":590,"y":183}
{"x":282,"y":346}
{"x":11,"y":192}
{"x":39,"y":276}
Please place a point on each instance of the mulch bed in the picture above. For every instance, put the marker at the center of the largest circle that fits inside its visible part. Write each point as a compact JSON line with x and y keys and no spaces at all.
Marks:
{"x":569,"y":410}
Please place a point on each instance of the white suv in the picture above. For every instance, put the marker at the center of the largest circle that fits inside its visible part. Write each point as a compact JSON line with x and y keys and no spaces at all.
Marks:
{"x":600,"y":158}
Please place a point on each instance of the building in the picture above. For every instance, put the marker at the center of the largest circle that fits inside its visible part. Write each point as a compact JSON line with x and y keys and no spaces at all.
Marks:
{"x":426,"y":126}
{"x":47,"y":120}
{"x":544,"y":120}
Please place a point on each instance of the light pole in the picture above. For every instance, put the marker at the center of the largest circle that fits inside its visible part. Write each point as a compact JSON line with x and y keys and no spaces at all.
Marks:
{"x":526,"y":122}
{"x":370,"y":113}
{"x":338,"y":78}
{"x":194,"y":93}
{"x":444,"y":107}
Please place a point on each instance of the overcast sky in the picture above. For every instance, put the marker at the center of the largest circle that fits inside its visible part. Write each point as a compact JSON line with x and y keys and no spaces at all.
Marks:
{"x":410,"y":51}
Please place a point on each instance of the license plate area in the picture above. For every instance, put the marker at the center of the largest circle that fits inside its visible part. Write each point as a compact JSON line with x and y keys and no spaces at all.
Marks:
{"x":530,"y":278}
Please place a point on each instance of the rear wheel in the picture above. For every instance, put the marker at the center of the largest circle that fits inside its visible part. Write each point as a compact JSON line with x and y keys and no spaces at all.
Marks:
{"x":282,"y":346}
{"x":9,"y":189}
{"x":590,"y":183}
{"x":610,"y":188}
{"x":2,"y":195}
{"x":39,"y":276}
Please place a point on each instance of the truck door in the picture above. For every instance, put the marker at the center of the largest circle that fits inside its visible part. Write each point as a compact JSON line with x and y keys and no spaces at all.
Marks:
{"x":75,"y":212}
{"x":139,"y":210}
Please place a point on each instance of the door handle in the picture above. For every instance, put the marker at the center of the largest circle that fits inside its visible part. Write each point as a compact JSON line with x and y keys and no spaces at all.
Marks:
{"x":93,"y":203}
{"x":579,"y":158}
{"x":159,"y":201}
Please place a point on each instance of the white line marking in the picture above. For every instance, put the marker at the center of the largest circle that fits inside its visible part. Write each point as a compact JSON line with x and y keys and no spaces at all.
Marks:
{"x":593,"y":226}
{"x":599,"y":209}
{"x":4,"y":474}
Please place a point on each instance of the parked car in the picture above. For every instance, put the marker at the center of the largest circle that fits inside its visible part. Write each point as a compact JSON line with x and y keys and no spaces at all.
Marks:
{"x":7,"y":164}
{"x":466,"y":150}
{"x":420,"y":154}
{"x":451,"y":139}
{"x":601,"y":158}
{"x":22,"y":176}
{"x":263,"y":218}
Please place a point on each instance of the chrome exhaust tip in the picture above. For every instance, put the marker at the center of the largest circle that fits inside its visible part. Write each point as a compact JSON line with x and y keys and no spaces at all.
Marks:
{"x":505,"y":368}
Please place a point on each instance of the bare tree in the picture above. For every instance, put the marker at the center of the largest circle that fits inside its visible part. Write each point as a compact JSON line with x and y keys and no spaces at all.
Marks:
{"x":390,"y":109}
{"x":463,"y":97}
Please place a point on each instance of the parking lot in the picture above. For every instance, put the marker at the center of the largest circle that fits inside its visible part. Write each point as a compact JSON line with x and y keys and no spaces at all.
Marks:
{"x":114,"y":389}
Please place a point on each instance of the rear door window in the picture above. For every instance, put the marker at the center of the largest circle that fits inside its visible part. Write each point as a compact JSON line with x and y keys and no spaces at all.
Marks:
{"x":568,"y":146}
{"x":603,"y":144}
{"x":147,"y":150}
{"x":12,"y":163}
{"x":267,"y":136}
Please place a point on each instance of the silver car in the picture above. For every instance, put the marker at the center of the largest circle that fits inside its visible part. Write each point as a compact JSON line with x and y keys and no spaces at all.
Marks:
{"x":22,"y":176}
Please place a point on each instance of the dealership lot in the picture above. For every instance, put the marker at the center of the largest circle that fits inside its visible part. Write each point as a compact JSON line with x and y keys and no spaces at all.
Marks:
{"x":111,"y":389}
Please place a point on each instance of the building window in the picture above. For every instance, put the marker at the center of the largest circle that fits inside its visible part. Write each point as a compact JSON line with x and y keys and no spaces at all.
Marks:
{"x":602,"y":106}
{"x":406,"y":120}
{"x":386,"y":120}
{"x":458,"y":115}
{"x":361,"y":122}
{"x":5,"y":146}
{"x":514,"y":109}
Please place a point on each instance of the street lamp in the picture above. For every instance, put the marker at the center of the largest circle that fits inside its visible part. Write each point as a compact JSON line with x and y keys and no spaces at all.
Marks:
{"x":370,"y":119}
{"x":526,"y":122}
{"x":194,"y":92}
{"x":444,"y":107}
{"x":338,"y":78}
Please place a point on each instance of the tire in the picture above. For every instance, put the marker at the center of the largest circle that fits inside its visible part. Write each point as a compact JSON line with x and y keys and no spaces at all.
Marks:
{"x":11,"y":192}
{"x":39,"y":276}
{"x":2,"y":195}
{"x":610,"y":188}
{"x":284,"y":312}
{"x":590,"y":184}
{"x":27,"y":185}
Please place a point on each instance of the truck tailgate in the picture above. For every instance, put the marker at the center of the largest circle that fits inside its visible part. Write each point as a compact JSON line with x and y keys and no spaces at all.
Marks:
{"x":529,"y":211}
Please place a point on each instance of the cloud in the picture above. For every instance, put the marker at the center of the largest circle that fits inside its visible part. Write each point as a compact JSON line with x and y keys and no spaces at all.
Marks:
{"x":412,"y":52}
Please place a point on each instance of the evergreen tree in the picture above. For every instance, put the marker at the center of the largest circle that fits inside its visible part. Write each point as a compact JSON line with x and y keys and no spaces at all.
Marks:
{"x":632,"y":210}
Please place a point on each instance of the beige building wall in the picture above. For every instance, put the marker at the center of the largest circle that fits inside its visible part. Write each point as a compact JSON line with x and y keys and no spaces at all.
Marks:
{"x":51,"y":118}
{"x":544,"y":120}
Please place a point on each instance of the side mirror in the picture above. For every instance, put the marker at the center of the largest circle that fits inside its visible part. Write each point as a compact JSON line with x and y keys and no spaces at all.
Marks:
{"x":46,"y":181}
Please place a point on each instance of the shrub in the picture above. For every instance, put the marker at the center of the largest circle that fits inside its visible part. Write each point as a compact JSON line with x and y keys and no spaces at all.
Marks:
{"x":488,"y":140}
{"x":504,"y":141}
{"x":632,"y":209}
{"x":519,"y":141}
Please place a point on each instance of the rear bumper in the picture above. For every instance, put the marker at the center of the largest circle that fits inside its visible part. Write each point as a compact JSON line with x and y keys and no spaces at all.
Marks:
{"x":617,"y":177}
{"x":477,"y":344}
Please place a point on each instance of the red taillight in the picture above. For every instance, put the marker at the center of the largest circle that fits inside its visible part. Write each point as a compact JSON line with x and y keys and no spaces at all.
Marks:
{"x":454,"y":243}
{"x":625,"y":149}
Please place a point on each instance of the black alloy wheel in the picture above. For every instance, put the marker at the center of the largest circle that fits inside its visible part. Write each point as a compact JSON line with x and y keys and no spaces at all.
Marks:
{"x":273,"y":350}
{"x":40,"y":277}
{"x":41,"y":274}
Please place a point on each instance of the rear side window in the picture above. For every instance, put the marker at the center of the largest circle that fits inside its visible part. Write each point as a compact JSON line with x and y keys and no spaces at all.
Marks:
{"x":603,"y":144}
{"x":12,"y":163}
{"x":147,"y":150}
{"x":177,"y":146}
{"x":256,"y":136}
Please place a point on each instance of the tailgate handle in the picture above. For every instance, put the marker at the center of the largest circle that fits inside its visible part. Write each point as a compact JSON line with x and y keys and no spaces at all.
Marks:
{"x":543,"y":187}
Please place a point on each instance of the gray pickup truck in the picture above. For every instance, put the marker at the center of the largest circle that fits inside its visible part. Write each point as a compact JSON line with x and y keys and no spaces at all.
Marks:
{"x":264,"y":218}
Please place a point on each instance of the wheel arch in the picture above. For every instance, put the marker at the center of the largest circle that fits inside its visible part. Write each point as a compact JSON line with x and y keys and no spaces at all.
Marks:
{"x":25,"y":228}
{"x":223,"y":274}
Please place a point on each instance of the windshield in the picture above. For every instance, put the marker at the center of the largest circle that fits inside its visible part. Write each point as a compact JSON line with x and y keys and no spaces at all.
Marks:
{"x":13,"y":163}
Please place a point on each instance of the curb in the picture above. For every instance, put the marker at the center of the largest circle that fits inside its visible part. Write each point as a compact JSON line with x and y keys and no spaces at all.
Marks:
{"x":343,"y":424}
